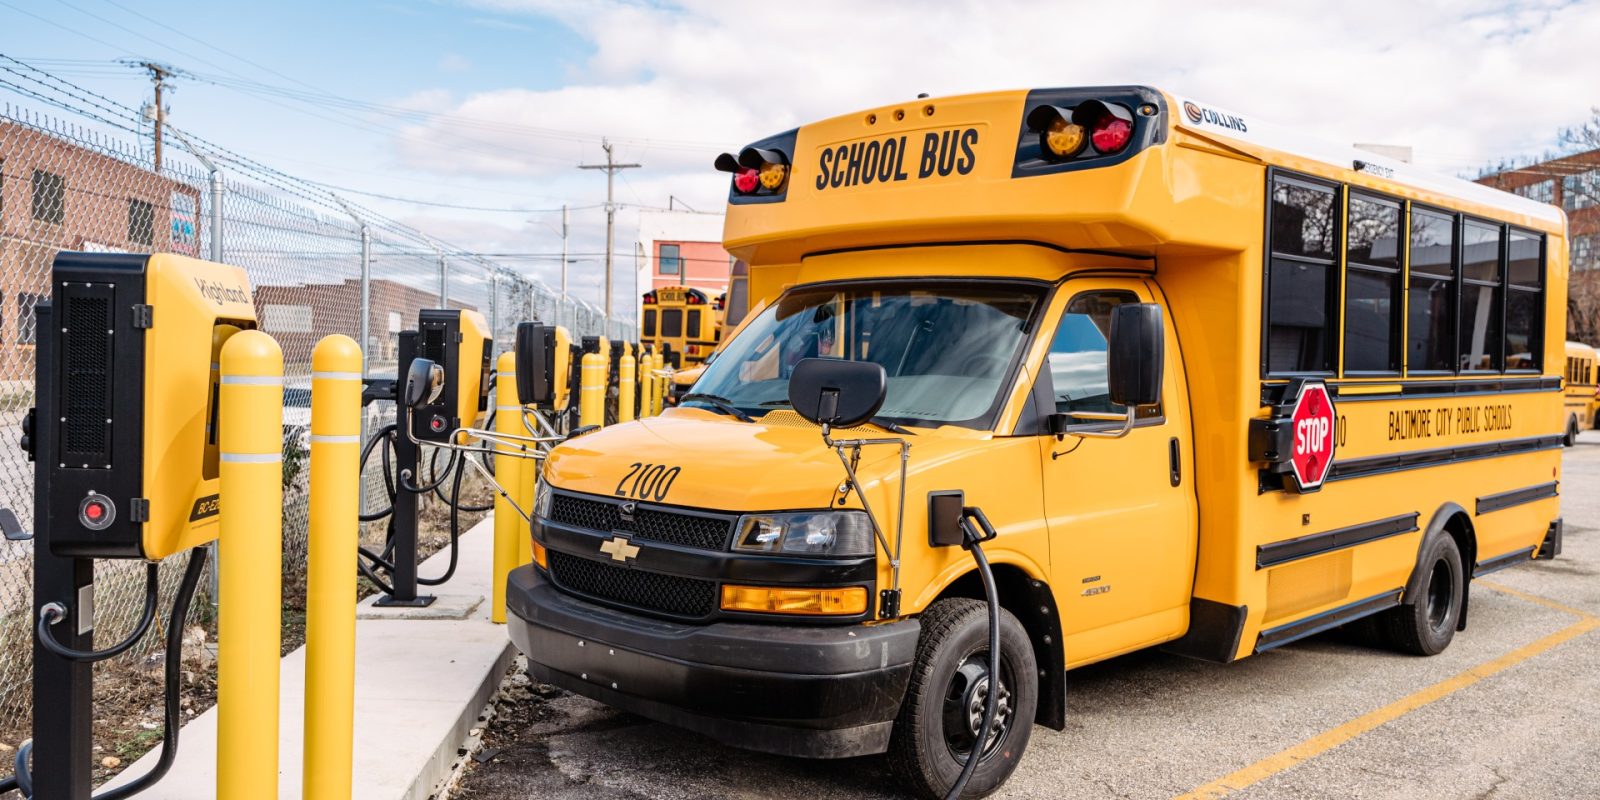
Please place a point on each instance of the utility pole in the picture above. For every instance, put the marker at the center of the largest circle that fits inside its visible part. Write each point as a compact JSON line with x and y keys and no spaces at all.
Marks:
{"x":158,"y":75}
{"x":562,"y":309}
{"x":611,"y":167}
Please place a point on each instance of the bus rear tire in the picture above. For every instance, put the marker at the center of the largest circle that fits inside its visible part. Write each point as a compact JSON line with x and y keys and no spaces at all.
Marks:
{"x":933,"y":733}
{"x":1425,"y":625}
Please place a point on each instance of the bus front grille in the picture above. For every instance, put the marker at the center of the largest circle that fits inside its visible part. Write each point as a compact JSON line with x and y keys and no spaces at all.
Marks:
{"x":705,"y":532}
{"x":688,"y":598}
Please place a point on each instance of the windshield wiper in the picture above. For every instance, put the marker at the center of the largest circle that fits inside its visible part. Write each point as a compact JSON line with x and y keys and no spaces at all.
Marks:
{"x":892,"y":426}
{"x":722,"y":403}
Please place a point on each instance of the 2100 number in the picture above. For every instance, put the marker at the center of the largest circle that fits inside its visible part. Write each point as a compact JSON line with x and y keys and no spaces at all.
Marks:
{"x":649,"y":481}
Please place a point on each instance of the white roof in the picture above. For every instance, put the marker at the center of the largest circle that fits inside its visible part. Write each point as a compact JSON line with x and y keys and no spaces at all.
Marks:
{"x":1219,"y":123}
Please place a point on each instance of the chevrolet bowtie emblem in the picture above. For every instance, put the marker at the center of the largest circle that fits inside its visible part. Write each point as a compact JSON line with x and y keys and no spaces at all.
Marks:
{"x":619,"y":549}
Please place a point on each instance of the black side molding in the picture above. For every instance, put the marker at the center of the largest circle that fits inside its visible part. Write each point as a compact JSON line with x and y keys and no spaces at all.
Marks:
{"x":1516,"y":497}
{"x":1316,"y":544}
{"x":1416,"y":459}
{"x":1214,"y":631}
{"x":1498,"y":563}
{"x":1327,"y":620}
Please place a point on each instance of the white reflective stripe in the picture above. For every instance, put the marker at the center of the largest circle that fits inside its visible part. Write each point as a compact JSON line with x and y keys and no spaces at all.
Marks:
{"x":508,"y":408}
{"x":253,"y":380}
{"x":252,"y":458}
{"x":326,"y":438}
{"x":336,"y":376}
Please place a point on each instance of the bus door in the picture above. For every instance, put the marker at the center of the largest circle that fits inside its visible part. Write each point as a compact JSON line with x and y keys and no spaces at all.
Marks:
{"x":1122,"y":512}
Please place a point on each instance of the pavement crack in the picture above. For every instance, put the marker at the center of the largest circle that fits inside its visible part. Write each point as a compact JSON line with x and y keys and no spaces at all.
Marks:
{"x":1500,"y":780}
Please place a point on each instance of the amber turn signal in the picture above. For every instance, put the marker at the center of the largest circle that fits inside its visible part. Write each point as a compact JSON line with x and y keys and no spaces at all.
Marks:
{"x":783,"y":600}
{"x":539,"y":556}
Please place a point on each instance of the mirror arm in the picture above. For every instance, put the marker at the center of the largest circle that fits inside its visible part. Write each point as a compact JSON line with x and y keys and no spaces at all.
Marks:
{"x":1126,"y":418}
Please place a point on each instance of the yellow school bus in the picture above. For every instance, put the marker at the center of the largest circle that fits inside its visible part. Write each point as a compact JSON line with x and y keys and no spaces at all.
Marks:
{"x":1178,"y":376}
{"x":1582,"y":395}
{"x":680,"y":322}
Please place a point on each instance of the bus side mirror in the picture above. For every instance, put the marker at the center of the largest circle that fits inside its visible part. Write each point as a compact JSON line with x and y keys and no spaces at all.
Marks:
{"x":837,"y":393}
{"x":1134,"y":362}
{"x":424,"y":383}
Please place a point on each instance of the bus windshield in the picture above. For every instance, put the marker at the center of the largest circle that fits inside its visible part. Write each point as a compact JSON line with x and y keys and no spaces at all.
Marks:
{"x":945,"y":349}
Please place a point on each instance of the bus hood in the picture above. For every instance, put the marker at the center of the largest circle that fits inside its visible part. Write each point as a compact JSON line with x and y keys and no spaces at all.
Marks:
{"x":721,"y":464}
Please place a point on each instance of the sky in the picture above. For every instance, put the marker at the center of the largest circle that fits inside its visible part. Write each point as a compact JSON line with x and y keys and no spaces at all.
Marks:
{"x":494,"y":103}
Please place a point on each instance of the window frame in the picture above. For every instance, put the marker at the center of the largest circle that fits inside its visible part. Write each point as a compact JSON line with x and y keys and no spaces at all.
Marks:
{"x":676,"y":260}
{"x":1143,"y":416}
{"x":1335,"y":302}
{"x":1401,"y":321}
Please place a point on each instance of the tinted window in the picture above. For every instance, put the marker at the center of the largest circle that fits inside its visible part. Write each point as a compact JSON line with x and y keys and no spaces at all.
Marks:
{"x":141,"y":222}
{"x":1433,"y":244}
{"x":1480,"y":327}
{"x":1303,"y":218}
{"x":1374,"y":232}
{"x":1300,"y":337}
{"x":1480,"y":256}
{"x":671,"y":322}
{"x":1524,"y":312}
{"x":1522,"y":260}
{"x":649,"y":322}
{"x":1431,"y":341}
{"x":49,"y":197}
{"x":1369,"y":319}
{"x":1301,"y":294}
{"x":694,"y":323}
{"x":1078,"y":355}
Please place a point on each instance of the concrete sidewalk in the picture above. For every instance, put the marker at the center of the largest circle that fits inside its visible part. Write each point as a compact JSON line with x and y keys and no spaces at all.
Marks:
{"x":420,"y":685}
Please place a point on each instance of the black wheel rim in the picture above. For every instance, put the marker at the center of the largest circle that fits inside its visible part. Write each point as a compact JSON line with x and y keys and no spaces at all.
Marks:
{"x":1441,"y":594}
{"x":964,"y":699}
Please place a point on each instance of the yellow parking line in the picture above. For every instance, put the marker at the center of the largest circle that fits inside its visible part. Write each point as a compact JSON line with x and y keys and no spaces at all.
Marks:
{"x":1327,"y":740}
{"x":1533,"y":598}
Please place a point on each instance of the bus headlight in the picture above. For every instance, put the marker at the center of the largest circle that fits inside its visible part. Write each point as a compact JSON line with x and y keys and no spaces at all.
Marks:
{"x":811,"y":533}
{"x":542,"y":499}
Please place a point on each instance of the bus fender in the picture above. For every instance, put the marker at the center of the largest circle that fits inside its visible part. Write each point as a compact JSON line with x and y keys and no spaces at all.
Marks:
{"x":1466,"y":542}
{"x":1032,"y":602}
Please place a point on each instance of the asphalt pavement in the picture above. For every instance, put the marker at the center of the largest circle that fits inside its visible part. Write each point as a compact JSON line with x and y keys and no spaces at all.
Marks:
{"x":1510,"y":710}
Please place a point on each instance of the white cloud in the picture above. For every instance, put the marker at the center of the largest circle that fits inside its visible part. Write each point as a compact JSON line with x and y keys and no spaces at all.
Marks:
{"x":1464,"y":82}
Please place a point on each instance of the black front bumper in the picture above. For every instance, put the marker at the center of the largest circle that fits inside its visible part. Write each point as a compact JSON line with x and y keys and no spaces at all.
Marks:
{"x":824,"y":691}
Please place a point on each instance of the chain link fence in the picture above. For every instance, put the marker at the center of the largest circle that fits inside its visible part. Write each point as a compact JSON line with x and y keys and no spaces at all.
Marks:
{"x":318,"y":264}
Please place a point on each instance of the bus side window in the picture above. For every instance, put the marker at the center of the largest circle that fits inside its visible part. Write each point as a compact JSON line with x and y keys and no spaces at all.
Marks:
{"x":1077,"y":357}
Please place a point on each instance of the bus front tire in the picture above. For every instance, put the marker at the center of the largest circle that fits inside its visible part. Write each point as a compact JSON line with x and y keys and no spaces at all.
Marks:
{"x":1426,"y":623}
{"x":949,"y":679}
{"x":1572,"y":432}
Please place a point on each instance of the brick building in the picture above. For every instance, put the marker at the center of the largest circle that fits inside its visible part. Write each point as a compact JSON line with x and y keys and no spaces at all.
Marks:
{"x":1573,"y":183}
{"x":299,"y":315}
{"x":57,"y":195}
{"x":682,"y":248}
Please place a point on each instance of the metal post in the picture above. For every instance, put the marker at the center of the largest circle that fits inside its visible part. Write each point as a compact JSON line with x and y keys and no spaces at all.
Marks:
{"x":508,"y":524}
{"x":331,"y":568}
{"x":62,"y":690}
{"x":408,"y":460}
{"x":366,"y":300}
{"x":494,"y":305}
{"x":249,"y":628}
{"x":216,"y":215}
{"x":444,"y":282}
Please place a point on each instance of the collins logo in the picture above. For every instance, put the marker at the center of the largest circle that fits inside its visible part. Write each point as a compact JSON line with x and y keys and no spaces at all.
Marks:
{"x":1199,"y":114}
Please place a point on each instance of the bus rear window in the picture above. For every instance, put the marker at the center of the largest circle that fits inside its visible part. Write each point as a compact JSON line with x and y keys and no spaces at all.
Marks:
{"x":671,"y":322}
{"x":650,"y":322}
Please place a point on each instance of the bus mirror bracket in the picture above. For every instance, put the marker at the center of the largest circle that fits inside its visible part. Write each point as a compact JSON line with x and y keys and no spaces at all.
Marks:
{"x":832,"y":393}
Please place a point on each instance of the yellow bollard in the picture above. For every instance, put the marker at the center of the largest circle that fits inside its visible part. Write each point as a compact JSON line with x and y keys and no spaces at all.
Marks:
{"x":250,"y":419}
{"x":592,"y":390}
{"x":509,"y":526}
{"x":626,"y":372}
{"x":663,"y":380}
{"x":647,"y":383}
{"x":331,"y":568}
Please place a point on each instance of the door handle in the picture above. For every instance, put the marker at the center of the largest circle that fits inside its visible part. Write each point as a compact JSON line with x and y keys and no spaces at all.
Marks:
{"x":1175,"y":461}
